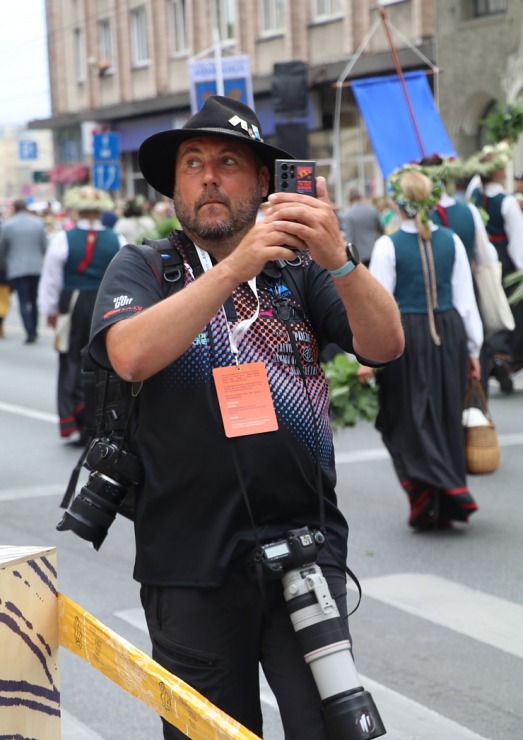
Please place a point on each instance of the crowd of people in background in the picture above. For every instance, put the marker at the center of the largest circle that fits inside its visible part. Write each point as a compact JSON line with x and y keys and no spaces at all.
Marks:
{"x":54,"y":259}
{"x":473,"y":203}
{"x":29,"y":229}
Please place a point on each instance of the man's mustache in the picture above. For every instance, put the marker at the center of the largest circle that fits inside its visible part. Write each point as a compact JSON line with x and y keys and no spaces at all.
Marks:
{"x":212,"y":198}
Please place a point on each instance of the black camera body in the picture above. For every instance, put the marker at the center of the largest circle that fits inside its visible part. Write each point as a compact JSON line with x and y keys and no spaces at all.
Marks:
{"x":114,"y":471}
{"x":107,"y":457}
{"x":301,"y":546}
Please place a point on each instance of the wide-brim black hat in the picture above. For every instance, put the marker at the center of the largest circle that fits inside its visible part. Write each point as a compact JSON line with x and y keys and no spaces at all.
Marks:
{"x":219,"y":116}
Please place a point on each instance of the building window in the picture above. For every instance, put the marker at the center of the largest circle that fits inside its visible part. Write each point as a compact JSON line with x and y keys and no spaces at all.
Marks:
{"x":490,"y":7}
{"x":177,"y":26}
{"x":105,"y":47}
{"x":79,"y":55}
{"x":271,"y":16}
{"x":139,"y":45}
{"x":325,"y":8}
{"x":222,"y":18}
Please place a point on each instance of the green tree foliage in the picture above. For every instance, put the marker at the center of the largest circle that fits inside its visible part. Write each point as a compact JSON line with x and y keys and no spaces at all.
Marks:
{"x":350,"y":400}
{"x":505,"y":122}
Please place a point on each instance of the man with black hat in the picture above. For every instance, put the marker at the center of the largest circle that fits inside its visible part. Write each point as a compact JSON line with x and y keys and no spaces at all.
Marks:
{"x":232,"y":418}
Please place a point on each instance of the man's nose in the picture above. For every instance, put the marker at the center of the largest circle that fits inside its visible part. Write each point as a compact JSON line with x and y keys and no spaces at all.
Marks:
{"x":210,"y":173}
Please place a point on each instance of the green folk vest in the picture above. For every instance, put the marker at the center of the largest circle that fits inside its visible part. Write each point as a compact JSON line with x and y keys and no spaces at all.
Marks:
{"x":410,"y":286}
{"x":495,"y":226}
{"x":89,"y":255}
{"x":459,"y":218}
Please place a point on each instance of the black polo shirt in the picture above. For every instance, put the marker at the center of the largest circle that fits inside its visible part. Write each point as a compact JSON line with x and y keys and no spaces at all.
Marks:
{"x":192,"y":520}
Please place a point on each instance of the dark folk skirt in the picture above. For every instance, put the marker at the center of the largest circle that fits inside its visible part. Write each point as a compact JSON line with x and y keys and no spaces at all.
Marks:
{"x":420,"y":418}
{"x":70,"y":382}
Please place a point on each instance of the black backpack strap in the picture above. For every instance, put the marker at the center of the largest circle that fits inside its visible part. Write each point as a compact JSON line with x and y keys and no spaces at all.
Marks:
{"x":166,"y":261}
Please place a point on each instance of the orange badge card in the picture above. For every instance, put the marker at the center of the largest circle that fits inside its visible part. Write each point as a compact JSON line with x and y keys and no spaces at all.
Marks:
{"x":245,"y":399}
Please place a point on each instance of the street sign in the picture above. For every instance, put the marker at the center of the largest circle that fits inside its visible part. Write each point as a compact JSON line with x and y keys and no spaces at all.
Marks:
{"x":106,"y":176}
{"x":106,"y":147}
{"x":27,"y":150}
{"x":235,"y":77}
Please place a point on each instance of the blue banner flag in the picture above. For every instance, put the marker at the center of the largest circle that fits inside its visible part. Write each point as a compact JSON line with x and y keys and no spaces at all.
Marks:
{"x":384,"y":109}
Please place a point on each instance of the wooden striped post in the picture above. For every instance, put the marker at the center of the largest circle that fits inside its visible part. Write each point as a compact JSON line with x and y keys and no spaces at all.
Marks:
{"x":29,"y":667}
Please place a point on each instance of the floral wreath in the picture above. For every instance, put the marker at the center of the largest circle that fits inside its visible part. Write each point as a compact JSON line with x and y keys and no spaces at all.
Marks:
{"x":412,"y":207}
{"x":491,"y":158}
{"x":449,"y":169}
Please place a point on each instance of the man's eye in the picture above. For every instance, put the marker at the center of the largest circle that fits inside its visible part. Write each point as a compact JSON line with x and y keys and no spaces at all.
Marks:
{"x":229,"y":161}
{"x":192,"y":164}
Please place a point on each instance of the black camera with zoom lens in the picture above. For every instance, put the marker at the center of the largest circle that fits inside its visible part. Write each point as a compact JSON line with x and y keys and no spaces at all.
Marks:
{"x":114,"y":470}
{"x":348,"y":710}
{"x":299,"y":547}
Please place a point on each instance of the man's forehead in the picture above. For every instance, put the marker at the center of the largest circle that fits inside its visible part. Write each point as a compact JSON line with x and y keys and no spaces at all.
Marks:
{"x":213,"y":143}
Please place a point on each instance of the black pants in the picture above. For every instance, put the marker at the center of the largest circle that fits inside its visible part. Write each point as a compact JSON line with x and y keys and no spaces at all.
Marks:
{"x":27,"y":290}
{"x":215,"y":639}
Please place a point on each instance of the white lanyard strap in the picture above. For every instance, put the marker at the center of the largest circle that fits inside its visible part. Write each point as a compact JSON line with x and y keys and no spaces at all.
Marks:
{"x":236,"y":335}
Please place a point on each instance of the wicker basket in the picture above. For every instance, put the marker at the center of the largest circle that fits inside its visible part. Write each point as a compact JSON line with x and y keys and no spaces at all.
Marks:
{"x":482,"y":453}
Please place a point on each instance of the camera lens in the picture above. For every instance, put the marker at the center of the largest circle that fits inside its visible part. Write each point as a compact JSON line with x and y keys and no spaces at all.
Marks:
{"x":348,"y":710}
{"x":94,"y":509}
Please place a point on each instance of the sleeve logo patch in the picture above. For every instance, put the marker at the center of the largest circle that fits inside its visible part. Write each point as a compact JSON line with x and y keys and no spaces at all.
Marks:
{"x":122,"y":300}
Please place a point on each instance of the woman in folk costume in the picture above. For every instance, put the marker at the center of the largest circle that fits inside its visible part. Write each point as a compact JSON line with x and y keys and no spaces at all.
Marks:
{"x":74,"y":264}
{"x":462,"y":217}
{"x":422,"y":393}
{"x":465,"y":220}
{"x":505,"y":229}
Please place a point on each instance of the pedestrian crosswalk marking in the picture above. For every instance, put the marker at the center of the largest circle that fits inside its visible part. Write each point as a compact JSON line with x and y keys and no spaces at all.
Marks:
{"x":12,"y":408}
{"x":404,"y":718}
{"x":491,"y":620}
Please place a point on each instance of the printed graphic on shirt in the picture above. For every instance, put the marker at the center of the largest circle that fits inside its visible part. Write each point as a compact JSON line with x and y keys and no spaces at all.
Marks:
{"x":121,"y":303}
{"x":122,"y":300}
{"x":267,"y":340}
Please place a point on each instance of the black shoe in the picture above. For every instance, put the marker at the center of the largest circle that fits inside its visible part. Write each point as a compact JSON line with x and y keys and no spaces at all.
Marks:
{"x":30,"y":340}
{"x":502,"y":375}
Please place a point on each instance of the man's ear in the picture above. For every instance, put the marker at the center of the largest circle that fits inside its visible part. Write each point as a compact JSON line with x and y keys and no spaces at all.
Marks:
{"x":264,"y":178}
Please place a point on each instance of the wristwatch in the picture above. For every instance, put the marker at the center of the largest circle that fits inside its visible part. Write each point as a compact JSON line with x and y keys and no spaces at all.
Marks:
{"x":353,"y":260}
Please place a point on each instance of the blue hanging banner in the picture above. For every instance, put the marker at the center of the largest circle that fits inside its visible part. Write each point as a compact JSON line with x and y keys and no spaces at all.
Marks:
{"x":384,"y":109}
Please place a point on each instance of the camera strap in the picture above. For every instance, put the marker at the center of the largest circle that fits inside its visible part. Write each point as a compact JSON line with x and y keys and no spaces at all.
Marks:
{"x":284,"y":310}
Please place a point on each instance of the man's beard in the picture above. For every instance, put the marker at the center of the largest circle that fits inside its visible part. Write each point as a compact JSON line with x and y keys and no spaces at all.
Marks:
{"x":237,"y":218}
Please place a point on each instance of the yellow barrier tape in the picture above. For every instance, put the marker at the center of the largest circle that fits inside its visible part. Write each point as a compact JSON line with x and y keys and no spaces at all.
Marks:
{"x":142,"y":677}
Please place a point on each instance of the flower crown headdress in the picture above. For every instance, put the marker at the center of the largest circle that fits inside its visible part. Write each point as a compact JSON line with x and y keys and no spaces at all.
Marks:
{"x":444,"y":169}
{"x":412,"y":207}
{"x":491,"y":158}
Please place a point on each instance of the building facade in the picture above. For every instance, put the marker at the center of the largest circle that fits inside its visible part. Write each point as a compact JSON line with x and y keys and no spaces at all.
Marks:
{"x":123,"y":66}
{"x":480,"y":51}
{"x":26,"y":158}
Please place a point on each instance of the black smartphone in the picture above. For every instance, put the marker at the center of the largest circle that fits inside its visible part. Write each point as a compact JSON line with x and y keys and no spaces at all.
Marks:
{"x":295,"y":176}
